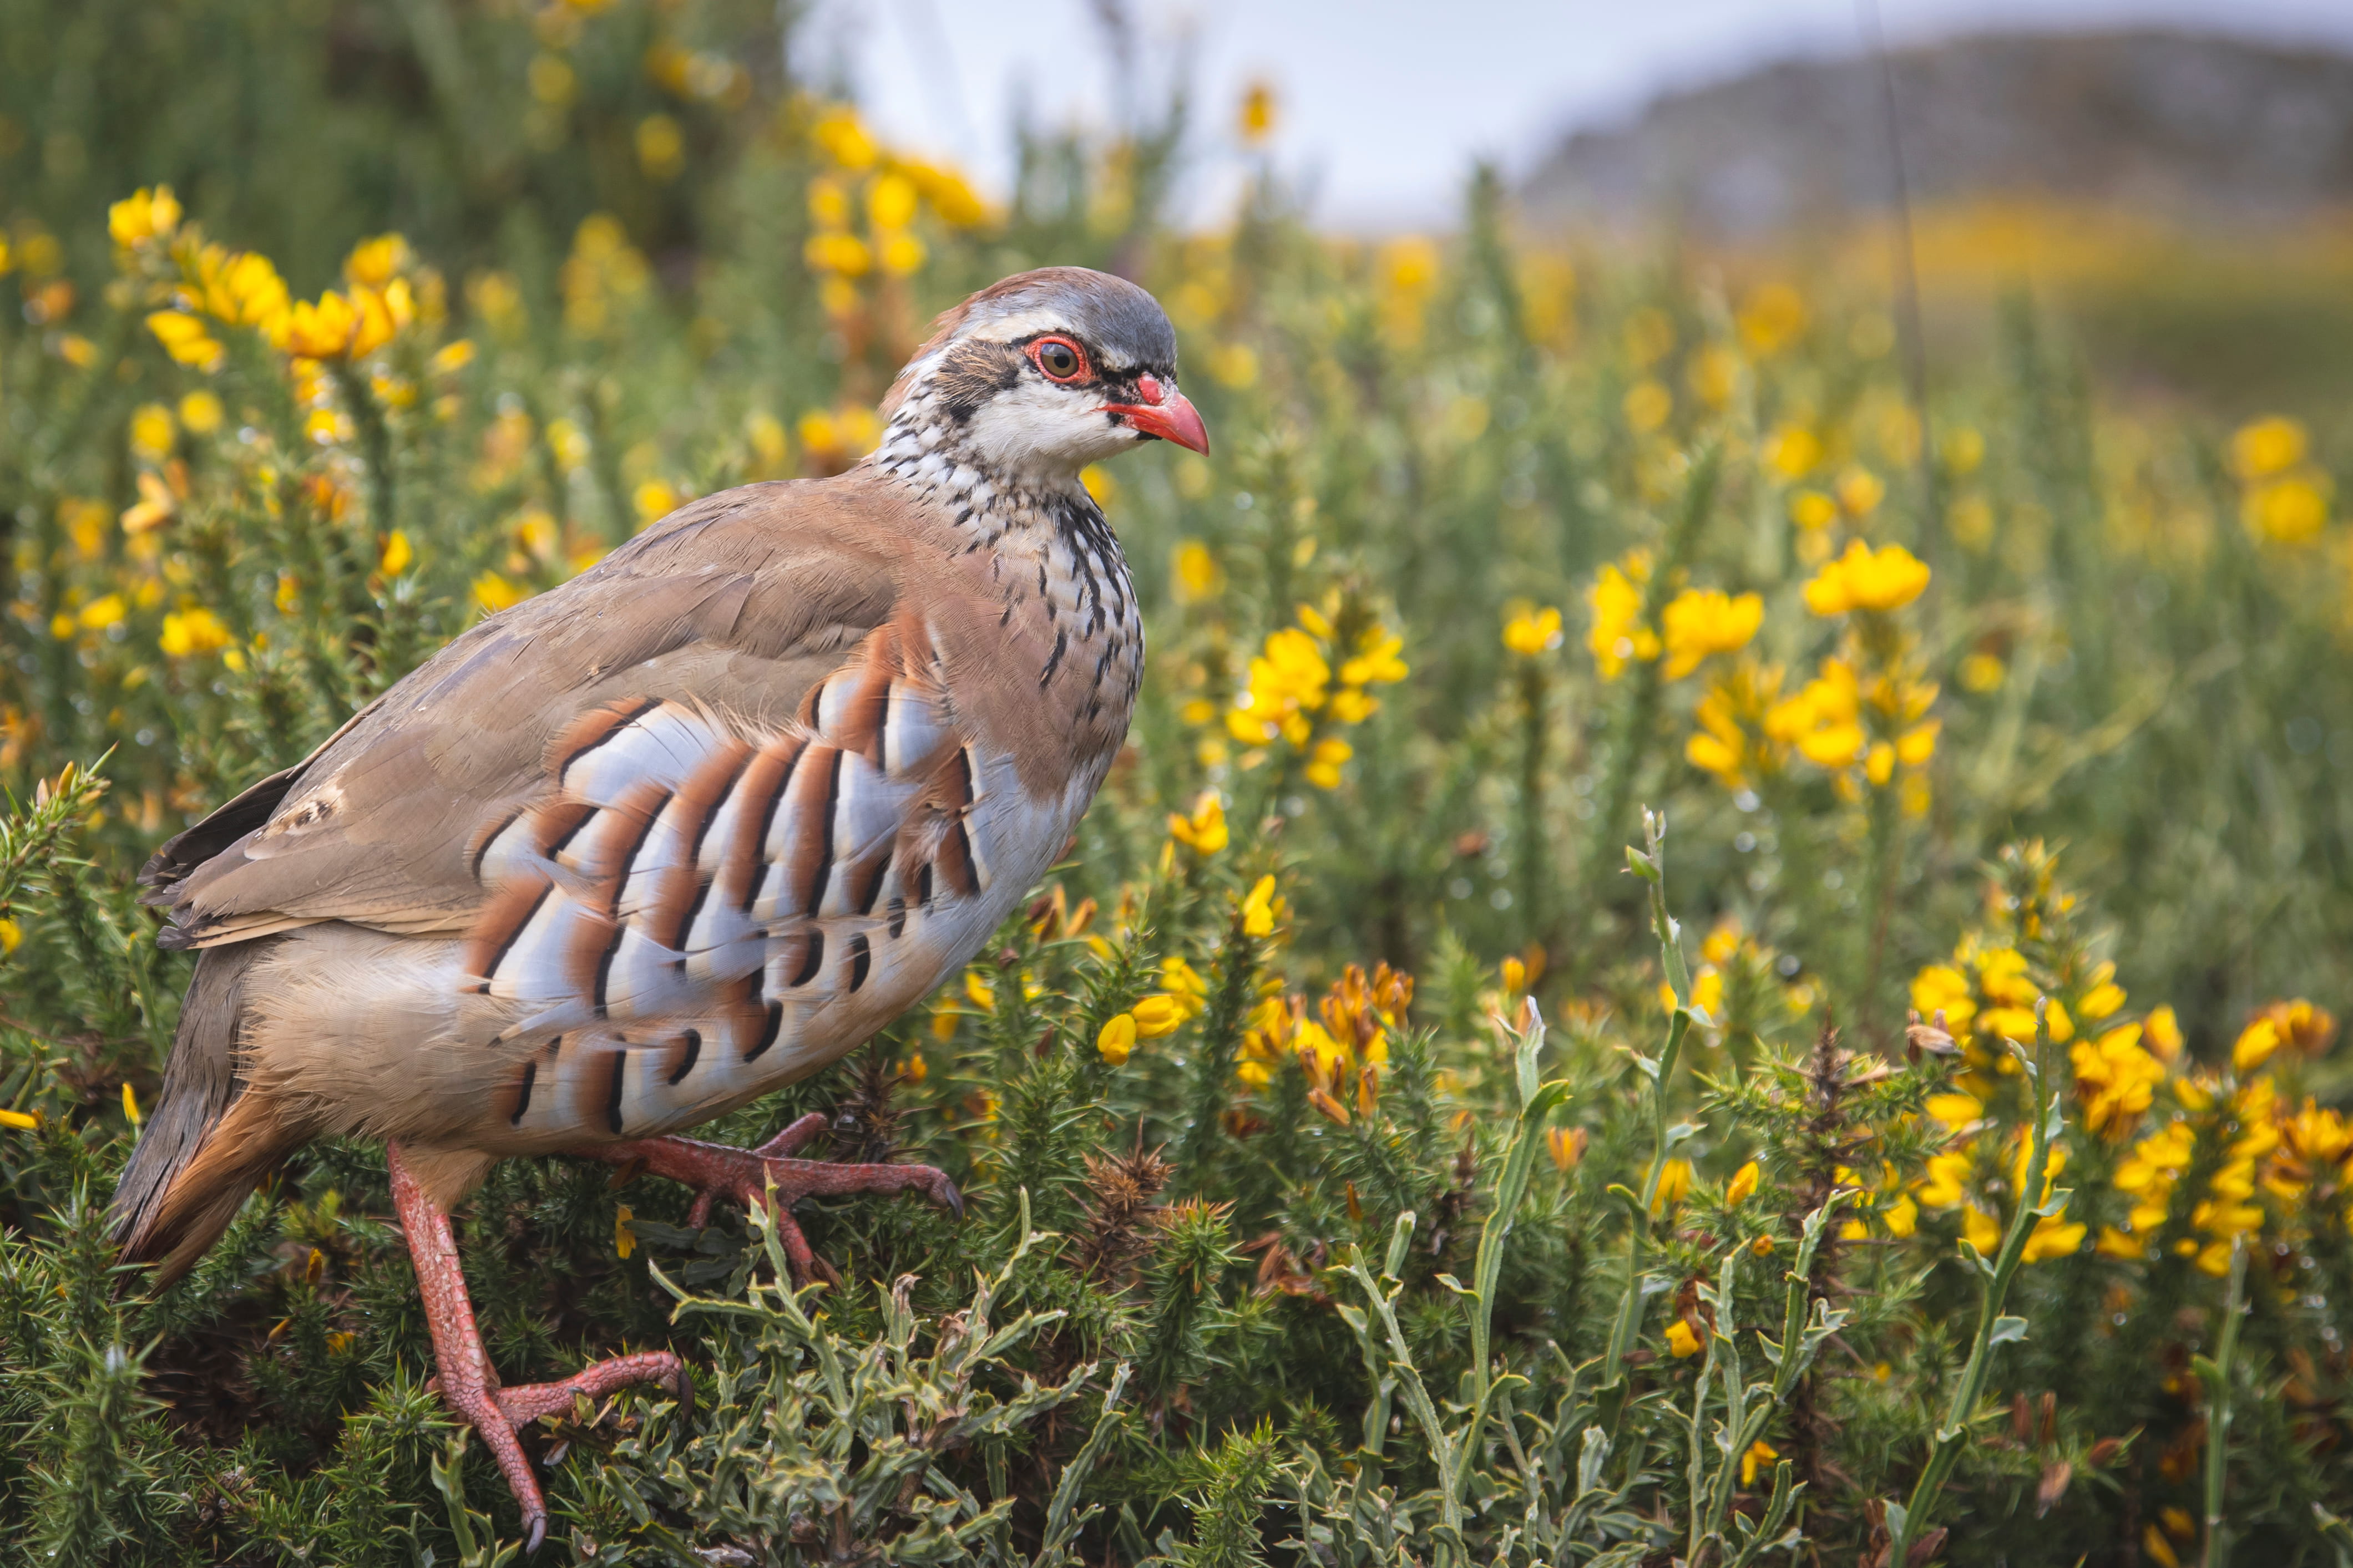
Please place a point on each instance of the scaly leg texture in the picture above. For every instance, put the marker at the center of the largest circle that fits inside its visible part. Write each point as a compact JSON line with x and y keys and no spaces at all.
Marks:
{"x":469,"y":1384}
{"x":718,"y":1170}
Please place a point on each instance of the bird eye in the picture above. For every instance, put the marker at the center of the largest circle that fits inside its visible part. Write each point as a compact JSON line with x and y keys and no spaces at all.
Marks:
{"x":1058,"y":358}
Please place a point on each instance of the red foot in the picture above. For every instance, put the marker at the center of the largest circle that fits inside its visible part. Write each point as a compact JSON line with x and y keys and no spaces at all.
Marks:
{"x":717,"y":1170}
{"x":469,"y":1386}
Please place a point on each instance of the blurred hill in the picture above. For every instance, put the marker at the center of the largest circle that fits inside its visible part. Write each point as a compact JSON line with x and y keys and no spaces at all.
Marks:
{"x":2186,"y":129}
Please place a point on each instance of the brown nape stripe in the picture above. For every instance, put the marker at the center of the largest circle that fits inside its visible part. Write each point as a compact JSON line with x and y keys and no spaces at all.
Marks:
{"x":505,"y":944}
{"x":861,"y":960}
{"x":768,"y":1032}
{"x":523,"y":1094}
{"x":694,"y":1052}
{"x":812,"y":959}
{"x":613,"y":1091}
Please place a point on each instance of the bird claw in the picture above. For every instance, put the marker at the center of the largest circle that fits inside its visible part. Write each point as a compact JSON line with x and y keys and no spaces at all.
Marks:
{"x":749,"y":1175}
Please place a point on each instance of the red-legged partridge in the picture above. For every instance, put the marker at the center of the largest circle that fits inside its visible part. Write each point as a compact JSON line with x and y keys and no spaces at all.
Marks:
{"x":683,"y":830}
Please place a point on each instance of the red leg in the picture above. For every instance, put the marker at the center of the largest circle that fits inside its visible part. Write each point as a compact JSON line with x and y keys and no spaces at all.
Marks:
{"x":469,"y":1384}
{"x":717,"y":1170}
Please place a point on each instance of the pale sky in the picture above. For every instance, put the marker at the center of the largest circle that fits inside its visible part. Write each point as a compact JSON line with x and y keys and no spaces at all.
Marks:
{"x":1387,"y":102}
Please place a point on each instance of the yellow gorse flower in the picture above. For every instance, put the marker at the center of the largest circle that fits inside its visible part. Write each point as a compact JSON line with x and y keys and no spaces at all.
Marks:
{"x":2115,"y":1079}
{"x":1292,"y":690}
{"x":1675,"y":1180}
{"x":1199,"y":578}
{"x":144,"y":216}
{"x":1204,"y":831}
{"x":1117,"y":1039}
{"x":1735,"y":740}
{"x":1258,"y":910}
{"x":2265,"y":448}
{"x":1698,"y":622}
{"x":1287,"y":684}
{"x":1529,"y":631}
{"x":1617,"y":636}
{"x":1743,"y":1185}
{"x":190,"y":632}
{"x":1884,"y":579}
{"x":335,"y":327}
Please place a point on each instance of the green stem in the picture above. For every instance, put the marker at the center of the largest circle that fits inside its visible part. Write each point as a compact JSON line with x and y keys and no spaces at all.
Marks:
{"x":1536,"y":1106}
{"x":1527,"y":832}
{"x":376,"y":442}
{"x":1221,"y":1034}
{"x":1649,"y":864}
{"x":1992,"y":1327}
{"x":2217,"y":1373}
{"x":1640,"y":716}
{"x":1887,"y":856}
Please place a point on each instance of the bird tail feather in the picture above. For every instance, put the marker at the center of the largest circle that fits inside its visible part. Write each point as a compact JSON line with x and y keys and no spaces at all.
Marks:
{"x":208,"y":1143}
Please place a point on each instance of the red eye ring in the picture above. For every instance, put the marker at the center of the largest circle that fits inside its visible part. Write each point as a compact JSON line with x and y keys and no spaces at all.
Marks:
{"x":1069,"y":360}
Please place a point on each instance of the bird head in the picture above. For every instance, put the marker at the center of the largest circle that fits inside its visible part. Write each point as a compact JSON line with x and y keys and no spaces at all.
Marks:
{"x":1044,"y":372}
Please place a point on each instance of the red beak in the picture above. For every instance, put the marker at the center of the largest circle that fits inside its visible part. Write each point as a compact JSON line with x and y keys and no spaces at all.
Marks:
{"x":1175,"y":420}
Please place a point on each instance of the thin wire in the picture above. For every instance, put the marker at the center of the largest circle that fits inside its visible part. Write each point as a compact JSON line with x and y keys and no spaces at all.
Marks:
{"x":1909,"y":336}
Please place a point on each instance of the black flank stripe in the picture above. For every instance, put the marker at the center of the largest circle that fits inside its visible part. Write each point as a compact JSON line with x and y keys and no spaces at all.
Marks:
{"x":1061,"y":641}
{"x":767,"y":821}
{"x":702,"y":828}
{"x":605,"y":964}
{"x":516,"y":935}
{"x":861,"y":960}
{"x":628,"y":860}
{"x":693,"y":912}
{"x":922,"y":887}
{"x":629,"y":714}
{"x":898,"y":926}
{"x":768,"y":1035}
{"x":824,"y":845}
{"x":812,"y":959}
{"x":693,"y":1053}
{"x":613,"y":1091}
{"x":474,"y":862}
{"x":1008,"y":616}
{"x":876,"y":872}
{"x":522,"y":1099}
{"x":563,"y":840}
